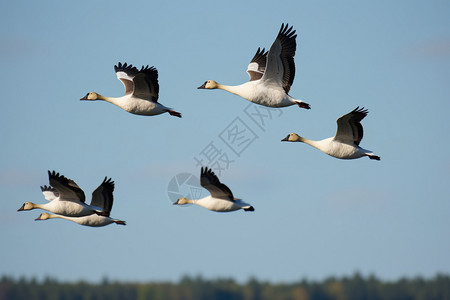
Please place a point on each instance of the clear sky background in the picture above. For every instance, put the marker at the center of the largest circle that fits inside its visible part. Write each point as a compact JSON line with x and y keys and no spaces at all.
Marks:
{"x":316,"y":216}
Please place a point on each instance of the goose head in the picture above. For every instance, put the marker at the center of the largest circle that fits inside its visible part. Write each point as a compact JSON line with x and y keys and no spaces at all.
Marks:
{"x":91,"y":96}
{"x":292,"y":137}
{"x":26,"y":206}
{"x":209,"y":84}
{"x":43,"y":216}
{"x":181,"y":201}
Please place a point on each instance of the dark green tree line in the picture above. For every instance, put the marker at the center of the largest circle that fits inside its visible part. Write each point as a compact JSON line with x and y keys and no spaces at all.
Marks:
{"x":196,"y":288}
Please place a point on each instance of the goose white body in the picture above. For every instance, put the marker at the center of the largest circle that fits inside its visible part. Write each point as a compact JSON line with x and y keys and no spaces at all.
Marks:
{"x":136,"y":106}
{"x":220,"y":205}
{"x":258,"y":92}
{"x":338,"y":149}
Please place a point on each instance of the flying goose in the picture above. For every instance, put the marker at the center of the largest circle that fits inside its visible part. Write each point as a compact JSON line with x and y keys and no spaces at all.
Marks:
{"x":271,"y":74}
{"x":141,"y":91}
{"x":221,"y":198}
{"x":104,"y":196}
{"x":345,"y":144}
{"x":66,"y":198}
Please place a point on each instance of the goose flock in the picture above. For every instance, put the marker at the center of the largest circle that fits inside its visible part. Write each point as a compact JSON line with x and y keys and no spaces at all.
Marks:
{"x":271,"y":75}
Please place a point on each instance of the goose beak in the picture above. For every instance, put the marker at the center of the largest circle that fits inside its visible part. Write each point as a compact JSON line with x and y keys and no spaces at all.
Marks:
{"x":21,"y":208}
{"x":286,"y":139}
{"x":38,"y":218}
{"x":84,"y":98}
{"x":202,"y":86}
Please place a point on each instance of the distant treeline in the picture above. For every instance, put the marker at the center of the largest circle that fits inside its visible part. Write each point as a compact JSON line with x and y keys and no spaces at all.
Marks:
{"x":196,"y":288}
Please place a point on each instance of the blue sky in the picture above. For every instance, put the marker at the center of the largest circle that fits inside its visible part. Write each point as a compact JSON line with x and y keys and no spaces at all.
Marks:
{"x":315,"y":216}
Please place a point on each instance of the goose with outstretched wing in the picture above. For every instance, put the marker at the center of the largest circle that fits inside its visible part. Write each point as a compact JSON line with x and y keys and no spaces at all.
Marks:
{"x":271,"y":74}
{"x":141,"y":92}
{"x":221,"y":198}
{"x":345,"y":144}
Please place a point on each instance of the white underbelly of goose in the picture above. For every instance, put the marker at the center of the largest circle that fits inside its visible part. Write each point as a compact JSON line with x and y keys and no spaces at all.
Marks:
{"x":218,"y":205}
{"x":262,"y":94}
{"x":343,"y":151}
{"x":91,"y":220}
{"x":271,"y":98}
{"x":140,"y":107}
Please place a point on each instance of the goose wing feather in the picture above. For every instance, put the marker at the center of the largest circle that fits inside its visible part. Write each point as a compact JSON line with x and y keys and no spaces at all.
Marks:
{"x":125,"y":73}
{"x":67,"y":188}
{"x":49,"y":192}
{"x":280,"y":59}
{"x":146,"y":84}
{"x":257,"y":66}
{"x":103,"y":196}
{"x":349,"y":128}
{"x":209,"y":181}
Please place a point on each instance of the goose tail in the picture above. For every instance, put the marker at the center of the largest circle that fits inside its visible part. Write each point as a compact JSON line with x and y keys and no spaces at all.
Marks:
{"x":373,"y":156}
{"x":302,"y":104}
{"x":174,"y":113}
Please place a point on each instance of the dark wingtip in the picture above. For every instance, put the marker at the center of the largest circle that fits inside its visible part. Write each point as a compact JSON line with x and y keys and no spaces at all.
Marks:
{"x":362,"y":110}
{"x":55,"y":174}
{"x":45,"y":188}
{"x":206,"y":170}
{"x":108,"y":180}
{"x":126,"y":68}
{"x":287,"y":31}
